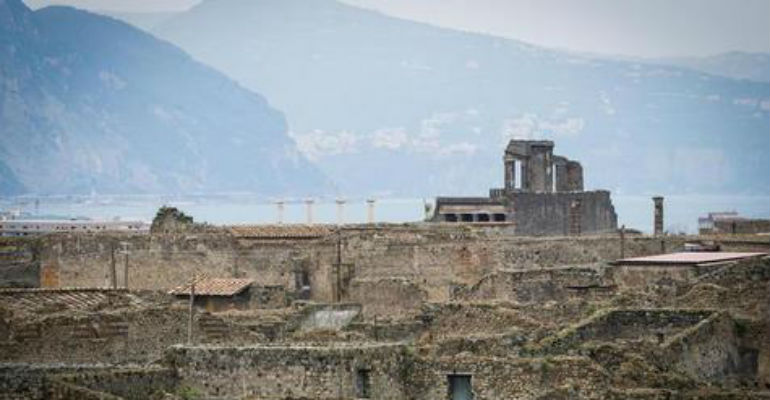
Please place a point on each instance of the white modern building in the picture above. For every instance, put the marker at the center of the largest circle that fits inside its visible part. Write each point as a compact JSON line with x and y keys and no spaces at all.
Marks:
{"x":28,"y":227}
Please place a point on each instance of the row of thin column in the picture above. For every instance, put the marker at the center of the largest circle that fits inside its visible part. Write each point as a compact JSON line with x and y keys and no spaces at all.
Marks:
{"x":310,"y":215}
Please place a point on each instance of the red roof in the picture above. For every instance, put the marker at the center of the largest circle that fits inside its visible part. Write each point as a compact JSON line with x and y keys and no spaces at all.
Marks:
{"x":688,"y":258}
{"x":291,"y":231}
{"x":214,"y":287}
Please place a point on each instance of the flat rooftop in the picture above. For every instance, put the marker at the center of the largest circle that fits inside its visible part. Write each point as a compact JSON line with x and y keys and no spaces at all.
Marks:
{"x":688,"y":258}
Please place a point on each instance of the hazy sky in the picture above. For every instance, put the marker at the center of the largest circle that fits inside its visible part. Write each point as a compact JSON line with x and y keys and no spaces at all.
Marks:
{"x":647,"y":28}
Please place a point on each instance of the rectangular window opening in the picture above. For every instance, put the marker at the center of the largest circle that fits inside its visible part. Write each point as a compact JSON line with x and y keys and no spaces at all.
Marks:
{"x":460,"y":387}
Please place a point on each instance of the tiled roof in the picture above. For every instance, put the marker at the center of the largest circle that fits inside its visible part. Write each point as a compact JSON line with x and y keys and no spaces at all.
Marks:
{"x":38,"y":302}
{"x":215,"y":287}
{"x":688,"y":258}
{"x":293,"y":231}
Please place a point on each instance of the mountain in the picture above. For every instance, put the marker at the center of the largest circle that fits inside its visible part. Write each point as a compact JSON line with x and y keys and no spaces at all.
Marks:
{"x":91,"y":104}
{"x":385,"y":105}
{"x":142,"y":20}
{"x":734,"y":64}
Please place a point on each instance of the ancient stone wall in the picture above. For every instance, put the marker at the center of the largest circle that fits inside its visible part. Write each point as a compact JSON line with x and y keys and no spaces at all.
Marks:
{"x":707,"y":350}
{"x":540,"y":285}
{"x":570,"y":213}
{"x":393,"y":297}
{"x":438,"y":258}
{"x":610,"y":325}
{"x":118,"y":337}
{"x":641,"y":276}
{"x":128,"y":384}
{"x":392,"y":372}
{"x":19,"y":264}
{"x":30,"y":382}
{"x":506,"y":378}
{"x":292,"y":371}
{"x":742,"y":226}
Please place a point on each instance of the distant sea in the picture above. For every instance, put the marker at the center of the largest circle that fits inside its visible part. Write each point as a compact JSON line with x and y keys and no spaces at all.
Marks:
{"x":681,"y":211}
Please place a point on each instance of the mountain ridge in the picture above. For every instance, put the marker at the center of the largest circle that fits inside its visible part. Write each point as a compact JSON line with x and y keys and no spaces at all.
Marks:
{"x":732,"y":64}
{"x":97,"y":105}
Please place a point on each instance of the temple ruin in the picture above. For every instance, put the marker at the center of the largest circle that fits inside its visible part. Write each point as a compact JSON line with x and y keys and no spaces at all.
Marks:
{"x":542,"y":195}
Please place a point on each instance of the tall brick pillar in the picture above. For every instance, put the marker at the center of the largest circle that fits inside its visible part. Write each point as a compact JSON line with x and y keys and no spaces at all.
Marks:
{"x":658,"y":200}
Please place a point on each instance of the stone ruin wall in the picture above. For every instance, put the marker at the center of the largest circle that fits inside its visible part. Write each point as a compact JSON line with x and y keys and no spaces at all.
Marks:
{"x":395,"y":372}
{"x":738,"y":226}
{"x":19,"y":263}
{"x":435,"y":258}
{"x":567,"y":213}
{"x":291,"y":372}
{"x":137,"y":336}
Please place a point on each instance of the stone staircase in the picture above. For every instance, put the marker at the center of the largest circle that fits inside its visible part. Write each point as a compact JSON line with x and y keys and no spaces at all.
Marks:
{"x":213,"y":329}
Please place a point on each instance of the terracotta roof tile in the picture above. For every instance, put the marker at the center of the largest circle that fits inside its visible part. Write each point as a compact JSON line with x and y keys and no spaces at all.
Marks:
{"x":294,"y":231}
{"x":40,"y":301}
{"x":215,"y":287}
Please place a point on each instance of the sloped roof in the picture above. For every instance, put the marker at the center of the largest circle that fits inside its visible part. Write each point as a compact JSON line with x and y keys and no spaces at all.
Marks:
{"x":214,"y":287}
{"x":40,"y":301}
{"x":291,"y":231}
{"x":688,"y":258}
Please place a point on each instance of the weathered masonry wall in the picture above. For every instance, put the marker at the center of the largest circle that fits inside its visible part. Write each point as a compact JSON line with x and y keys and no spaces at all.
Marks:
{"x":510,"y":378}
{"x":396,"y":297}
{"x":19,"y":263}
{"x":612,"y":325}
{"x":742,"y":226}
{"x":167,"y":261}
{"x":537,"y":286}
{"x":570,"y":213}
{"x":437,"y":258}
{"x":24,"y":381}
{"x":82,"y":382}
{"x":708,"y":350}
{"x":128,"y":384}
{"x":393,"y":372}
{"x":136,"y":336}
{"x":292,"y":372}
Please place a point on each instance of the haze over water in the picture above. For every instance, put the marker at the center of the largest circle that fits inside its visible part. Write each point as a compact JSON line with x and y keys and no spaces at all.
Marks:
{"x":681,"y":211}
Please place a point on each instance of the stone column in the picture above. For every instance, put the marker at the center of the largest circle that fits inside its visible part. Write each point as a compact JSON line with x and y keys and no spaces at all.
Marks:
{"x":370,"y":211}
{"x":279,"y":205}
{"x":574,"y":176}
{"x":548,"y":183}
{"x":658,"y":223}
{"x":525,"y":180}
{"x":509,"y":163}
{"x":309,"y":210}
{"x":560,"y":174}
{"x":340,"y":211}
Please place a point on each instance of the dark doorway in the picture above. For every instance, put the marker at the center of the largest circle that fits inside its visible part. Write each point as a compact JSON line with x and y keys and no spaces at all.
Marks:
{"x":499,"y":217}
{"x":450,"y":217}
{"x":460,"y":387}
{"x":466,"y":217}
{"x":302,"y":284}
{"x":483,"y":217}
{"x":363,"y":383}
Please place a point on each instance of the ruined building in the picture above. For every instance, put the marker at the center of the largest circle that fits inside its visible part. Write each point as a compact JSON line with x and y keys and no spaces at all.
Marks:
{"x":542,"y":195}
